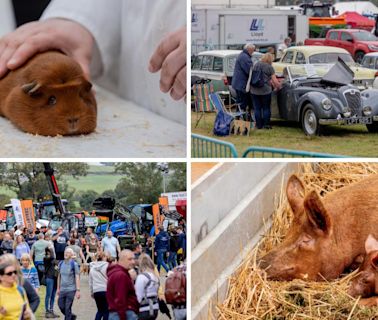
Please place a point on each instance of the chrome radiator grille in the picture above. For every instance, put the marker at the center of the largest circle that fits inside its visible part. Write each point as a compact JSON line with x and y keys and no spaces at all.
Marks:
{"x":353,"y":98}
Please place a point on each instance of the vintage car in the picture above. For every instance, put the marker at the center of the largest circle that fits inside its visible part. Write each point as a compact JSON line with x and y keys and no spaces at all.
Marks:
{"x":218,"y":66}
{"x":317,"y":95}
{"x":364,"y":77}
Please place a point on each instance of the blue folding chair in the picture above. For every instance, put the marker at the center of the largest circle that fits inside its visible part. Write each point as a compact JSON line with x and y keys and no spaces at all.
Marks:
{"x":219,"y":106}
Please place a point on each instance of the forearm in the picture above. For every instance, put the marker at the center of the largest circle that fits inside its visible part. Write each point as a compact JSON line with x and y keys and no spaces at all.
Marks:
{"x":101,"y":18}
{"x":77,"y":278}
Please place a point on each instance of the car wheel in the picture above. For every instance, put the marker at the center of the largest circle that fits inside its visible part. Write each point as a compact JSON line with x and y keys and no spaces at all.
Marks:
{"x":372,"y":128}
{"x":359,"y":56}
{"x":310,"y":121}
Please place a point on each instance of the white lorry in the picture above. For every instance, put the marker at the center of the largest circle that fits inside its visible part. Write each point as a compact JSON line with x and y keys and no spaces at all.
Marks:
{"x":231,"y":28}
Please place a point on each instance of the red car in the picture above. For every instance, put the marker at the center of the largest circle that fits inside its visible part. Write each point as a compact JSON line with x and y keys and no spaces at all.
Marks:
{"x":357,"y":42}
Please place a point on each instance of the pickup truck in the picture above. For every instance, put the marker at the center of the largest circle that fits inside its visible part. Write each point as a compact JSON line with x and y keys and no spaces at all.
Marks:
{"x":357,"y":42}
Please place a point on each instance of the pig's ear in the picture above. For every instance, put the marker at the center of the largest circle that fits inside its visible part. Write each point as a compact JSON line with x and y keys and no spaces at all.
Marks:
{"x":317,"y":214}
{"x":374,"y":261}
{"x":32,"y":88}
{"x":371,"y":244}
{"x":295,"y":194}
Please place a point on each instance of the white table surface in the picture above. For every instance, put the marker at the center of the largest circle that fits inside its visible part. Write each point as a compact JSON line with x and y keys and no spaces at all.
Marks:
{"x":124,"y":130}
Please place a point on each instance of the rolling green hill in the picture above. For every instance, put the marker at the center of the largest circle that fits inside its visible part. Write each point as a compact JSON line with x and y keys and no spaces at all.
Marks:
{"x":99,"y":179}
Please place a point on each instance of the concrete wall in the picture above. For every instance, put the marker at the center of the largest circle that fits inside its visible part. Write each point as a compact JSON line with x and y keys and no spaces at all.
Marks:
{"x":229,"y":207}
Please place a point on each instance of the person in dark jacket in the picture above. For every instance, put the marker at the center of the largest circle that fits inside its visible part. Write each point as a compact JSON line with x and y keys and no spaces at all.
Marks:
{"x":173,"y":248}
{"x":120,"y":294}
{"x":51,"y":272}
{"x":161,"y":248}
{"x":181,"y":242}
{"x":242,"y":69}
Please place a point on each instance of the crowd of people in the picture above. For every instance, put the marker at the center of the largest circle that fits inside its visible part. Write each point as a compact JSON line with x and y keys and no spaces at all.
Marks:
{"x":125,"y":284}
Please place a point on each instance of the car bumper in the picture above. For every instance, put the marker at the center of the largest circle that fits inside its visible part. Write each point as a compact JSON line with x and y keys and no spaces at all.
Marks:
{"x":349,"y":121}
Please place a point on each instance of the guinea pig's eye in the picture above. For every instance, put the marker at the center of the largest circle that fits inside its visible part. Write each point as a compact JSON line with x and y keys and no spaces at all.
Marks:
{"x":52,"y":101}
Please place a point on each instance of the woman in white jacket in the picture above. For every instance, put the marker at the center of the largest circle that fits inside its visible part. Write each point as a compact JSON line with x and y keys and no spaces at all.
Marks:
{"x":97,"y":283}
{"x":146,"y":288}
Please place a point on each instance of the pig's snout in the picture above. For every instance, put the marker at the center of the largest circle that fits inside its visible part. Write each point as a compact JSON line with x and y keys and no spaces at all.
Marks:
{"x":266,"y":261}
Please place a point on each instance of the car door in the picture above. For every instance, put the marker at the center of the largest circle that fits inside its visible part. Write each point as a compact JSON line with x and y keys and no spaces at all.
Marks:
{"x":347,"y":42}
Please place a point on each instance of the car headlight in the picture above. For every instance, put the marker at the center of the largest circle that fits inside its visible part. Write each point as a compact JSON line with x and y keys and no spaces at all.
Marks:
{"x":326,"y":104}
{"x":373,"y":47}
{"x":347,"y":112}
{"x":367,"y":111}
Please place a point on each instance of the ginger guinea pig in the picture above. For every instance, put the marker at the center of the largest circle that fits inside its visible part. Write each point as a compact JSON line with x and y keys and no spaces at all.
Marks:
{"x":49,"y":96}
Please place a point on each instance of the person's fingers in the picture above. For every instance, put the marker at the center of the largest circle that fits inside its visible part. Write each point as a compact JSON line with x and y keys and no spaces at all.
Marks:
{"x":38,"y":43}
{"x":5,"y":56}
{"x":179,"y":86}
{"x":166,"y":46}
{"x":171,"y":66}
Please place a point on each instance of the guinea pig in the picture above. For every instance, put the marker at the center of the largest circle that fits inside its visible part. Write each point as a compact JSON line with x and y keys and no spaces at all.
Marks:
{"x":49,"y":96}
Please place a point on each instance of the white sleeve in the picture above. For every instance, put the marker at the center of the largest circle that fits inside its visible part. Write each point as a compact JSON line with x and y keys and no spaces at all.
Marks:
{"x":102,"y":19}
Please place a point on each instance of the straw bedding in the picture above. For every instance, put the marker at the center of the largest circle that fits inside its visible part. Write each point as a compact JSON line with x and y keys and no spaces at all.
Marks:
{"x":251,"y":296}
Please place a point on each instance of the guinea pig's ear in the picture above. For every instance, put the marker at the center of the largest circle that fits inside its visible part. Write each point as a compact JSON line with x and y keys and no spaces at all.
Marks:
{"x":31,"y":88}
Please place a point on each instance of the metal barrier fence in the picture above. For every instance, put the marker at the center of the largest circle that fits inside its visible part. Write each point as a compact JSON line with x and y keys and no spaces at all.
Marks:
{"x":263,"y":152}
{"x":205,"y":147}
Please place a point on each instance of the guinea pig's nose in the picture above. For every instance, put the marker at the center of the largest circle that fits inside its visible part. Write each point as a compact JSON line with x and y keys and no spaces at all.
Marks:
{"x":73,"y":121}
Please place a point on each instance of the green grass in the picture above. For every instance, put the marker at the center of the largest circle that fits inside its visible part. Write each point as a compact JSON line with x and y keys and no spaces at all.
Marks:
{"x":101,"y":169}
{"x":353,"y":141}
{"x":96,"y":182}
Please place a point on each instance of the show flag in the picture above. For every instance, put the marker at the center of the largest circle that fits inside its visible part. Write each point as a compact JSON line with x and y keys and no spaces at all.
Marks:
{"x":17,"y":210}
{"x":28,"y":214}
{"x":157,"y":218}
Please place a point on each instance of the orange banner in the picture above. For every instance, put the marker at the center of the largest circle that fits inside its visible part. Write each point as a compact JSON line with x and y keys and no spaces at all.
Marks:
{"x":28,"y":214}
{"x":3,"y":215}
{"x":163,"y":201}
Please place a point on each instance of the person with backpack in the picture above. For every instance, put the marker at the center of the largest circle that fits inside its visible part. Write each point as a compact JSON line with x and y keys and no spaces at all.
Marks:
{"x":51,"y":279}
{"x":98,"y":281}
{"x":68,"y":284}
{"x":13,"y":300}
{"x":146,"y":288}
{"x":175,"y":291}
{"x":263,"y":78}
{"x":29,"y":271}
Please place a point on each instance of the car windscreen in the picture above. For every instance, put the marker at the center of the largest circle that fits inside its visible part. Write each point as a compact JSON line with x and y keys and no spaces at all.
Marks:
{"x":330,"y":57}
{"x":306,"y":71}
{"x":364,"y":36}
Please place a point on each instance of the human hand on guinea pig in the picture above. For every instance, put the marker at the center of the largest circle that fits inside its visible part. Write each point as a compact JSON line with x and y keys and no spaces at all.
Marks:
{"x":170,"y":58}
{"x":68,"y":36}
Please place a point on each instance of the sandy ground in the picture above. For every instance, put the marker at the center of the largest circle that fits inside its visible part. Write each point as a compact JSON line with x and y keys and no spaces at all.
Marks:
{"x":124,"y":130}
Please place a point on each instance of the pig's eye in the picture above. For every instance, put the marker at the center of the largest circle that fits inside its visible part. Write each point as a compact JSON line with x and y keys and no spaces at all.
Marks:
{"x":52,"y":101}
